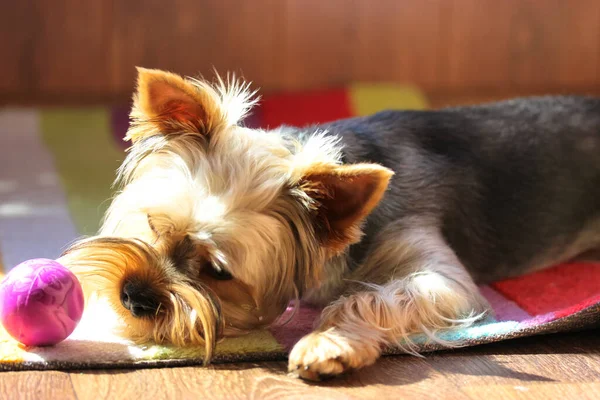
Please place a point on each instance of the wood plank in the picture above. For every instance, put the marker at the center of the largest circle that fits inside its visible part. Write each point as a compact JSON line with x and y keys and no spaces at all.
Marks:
{"x":71,"y":51}
{"x":192,"y":38}
{"x":579,"y":51}
{"x":533,"y":42}
{"x":583,"y":391}
{"x":248,"y":39}
{"x":262,"y":380}
{"x":400,"y":41}
{"x":555,"y":42}
{"x":567,"y":364}
{"x":477,"y":43}
{"x":568,"y":358}
{"x":36,"y":385}
{"x":19,"y":35}
{"x":142,"y":35}
{"x":317,"y":44}
{"x":71,"y":54}
{"x":522,"y":43}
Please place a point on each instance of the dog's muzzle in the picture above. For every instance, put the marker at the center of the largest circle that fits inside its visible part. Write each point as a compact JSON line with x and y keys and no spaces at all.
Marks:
{"x":139,"y":299}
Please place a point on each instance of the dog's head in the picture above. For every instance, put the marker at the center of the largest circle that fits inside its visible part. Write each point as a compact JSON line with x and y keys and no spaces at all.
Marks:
{"x":217,"y":226}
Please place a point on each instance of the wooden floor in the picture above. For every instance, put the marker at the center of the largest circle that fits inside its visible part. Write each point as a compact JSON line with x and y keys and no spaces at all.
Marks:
{"x":562,"y":366}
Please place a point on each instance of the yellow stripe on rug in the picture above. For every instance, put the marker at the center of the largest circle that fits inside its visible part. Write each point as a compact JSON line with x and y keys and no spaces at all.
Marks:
{"x":367,"y":99}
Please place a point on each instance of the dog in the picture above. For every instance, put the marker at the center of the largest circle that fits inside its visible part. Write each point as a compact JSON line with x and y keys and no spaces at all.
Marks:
{"x":388,"y":221}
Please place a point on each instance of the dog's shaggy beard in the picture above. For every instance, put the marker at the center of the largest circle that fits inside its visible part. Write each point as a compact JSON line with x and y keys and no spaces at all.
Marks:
{"x":188,"y":313}
{"x":192,"y":312}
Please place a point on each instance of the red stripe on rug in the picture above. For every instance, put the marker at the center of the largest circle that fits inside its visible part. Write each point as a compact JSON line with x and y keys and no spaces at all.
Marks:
{"x":301,"y":109}
{"x":578,"y":307}
{"x":558,"y":288}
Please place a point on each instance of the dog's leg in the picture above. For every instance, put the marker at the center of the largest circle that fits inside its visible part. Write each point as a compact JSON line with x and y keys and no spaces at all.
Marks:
{"x":429,"y":290}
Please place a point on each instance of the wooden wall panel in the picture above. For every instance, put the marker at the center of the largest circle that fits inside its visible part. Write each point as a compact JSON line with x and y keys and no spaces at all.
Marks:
{"x":579,"y":43}
{"x":557,"y":43}
{"x":71,"y":50}
{"x":252,"y":38}
{"x":317,"y":44}
{"x":17,"y":42}
{"x":478,"y":43}
{"x":523,"y":43}
{"x":192,"y":38}
{"x":159,"y":34}
{"x":399,"y":41}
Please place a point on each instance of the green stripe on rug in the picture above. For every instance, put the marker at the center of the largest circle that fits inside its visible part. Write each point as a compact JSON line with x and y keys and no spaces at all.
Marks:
{"x":86,"y":158}
{"x":258,"y":341}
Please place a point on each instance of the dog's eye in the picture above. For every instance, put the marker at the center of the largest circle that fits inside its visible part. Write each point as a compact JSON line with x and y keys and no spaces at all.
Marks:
{"x":217,"y":273}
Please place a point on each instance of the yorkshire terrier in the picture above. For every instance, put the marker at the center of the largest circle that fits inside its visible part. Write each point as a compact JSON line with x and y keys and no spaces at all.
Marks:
{"x":388,"y":221}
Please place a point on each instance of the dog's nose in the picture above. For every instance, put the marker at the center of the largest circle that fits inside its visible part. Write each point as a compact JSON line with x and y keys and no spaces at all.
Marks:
{"x":139,"y":299}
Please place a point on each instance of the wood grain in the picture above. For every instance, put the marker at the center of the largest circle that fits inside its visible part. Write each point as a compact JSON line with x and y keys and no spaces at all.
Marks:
{"x":400,"y":41}
{"x":72,"y":51}
{"x":261,"y":381}
{"x":555,"y":366}
{"x":193,"y":38}
{"x":71,"y":46}
{"x":478,"y":50}
{"x":318,"y":40}
{"x":18,"y":36}
{"x":36,"y":386}
{"x":582,"y":391}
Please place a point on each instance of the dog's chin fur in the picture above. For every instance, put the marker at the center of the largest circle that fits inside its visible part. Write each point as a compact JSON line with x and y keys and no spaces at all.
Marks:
{"x":199,"y":194}
{"x":191,"y":312}
{"x":188,"y":314}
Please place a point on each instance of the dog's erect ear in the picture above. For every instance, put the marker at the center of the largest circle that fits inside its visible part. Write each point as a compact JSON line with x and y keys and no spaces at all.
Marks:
{"x":174,"y":105}
{"x":343,"y":196}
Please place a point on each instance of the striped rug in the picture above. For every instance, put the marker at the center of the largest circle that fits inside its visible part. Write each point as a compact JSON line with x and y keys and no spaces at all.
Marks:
{"x":56,"y":169}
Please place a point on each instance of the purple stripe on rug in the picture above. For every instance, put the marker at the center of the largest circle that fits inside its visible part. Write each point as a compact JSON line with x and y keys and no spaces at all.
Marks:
{"x":255,"y":119}
{"x":505,"y":309}
{"x":538,"y":319}
{"x":119,"y":121}
{"x":301,"y":324}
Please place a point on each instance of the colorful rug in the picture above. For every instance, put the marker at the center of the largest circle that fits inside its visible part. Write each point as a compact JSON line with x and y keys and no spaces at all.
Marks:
{"x":56,"y":169}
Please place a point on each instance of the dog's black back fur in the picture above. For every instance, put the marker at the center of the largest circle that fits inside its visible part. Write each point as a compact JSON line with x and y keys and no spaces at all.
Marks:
{"x":512,"y":185}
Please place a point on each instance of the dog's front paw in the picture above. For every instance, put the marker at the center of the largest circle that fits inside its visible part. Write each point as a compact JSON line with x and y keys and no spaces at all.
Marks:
{"x":325,"y":354}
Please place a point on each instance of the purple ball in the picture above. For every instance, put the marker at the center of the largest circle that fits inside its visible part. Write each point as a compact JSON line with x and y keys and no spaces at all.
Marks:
{"x":41,"y":302}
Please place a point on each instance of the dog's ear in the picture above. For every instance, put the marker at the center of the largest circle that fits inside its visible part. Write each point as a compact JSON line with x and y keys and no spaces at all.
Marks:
{"x":160,"y":225}
{"x":343,"y":195}
{"x":173,"y":105}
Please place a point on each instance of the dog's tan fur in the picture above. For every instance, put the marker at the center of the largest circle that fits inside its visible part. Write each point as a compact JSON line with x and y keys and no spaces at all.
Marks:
{"x":274,"y":213}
